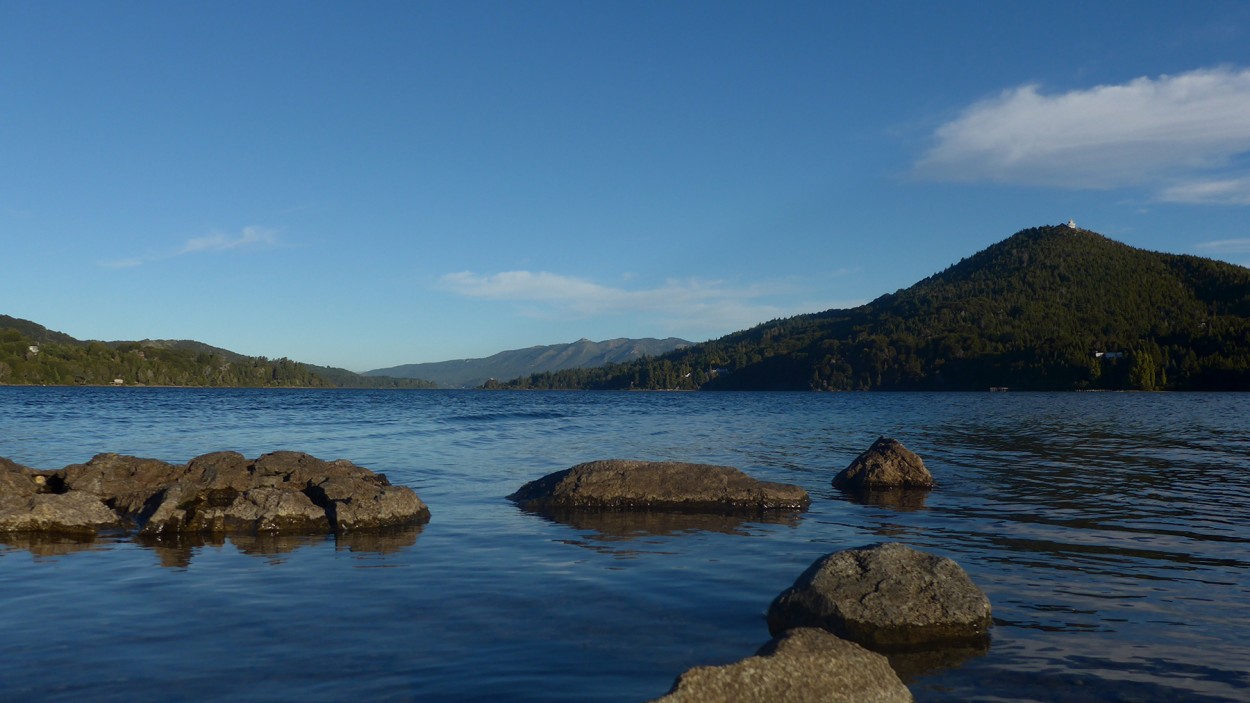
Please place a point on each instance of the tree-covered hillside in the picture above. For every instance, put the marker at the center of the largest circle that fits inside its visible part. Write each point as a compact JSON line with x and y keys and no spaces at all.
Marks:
{"x":1050,"y":308}
{"x":31,"y":354}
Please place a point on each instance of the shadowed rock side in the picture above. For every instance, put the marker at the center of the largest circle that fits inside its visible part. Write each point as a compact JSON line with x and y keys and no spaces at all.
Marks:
{"x":625,"y":525}
{"x":219,"y":493}
{"x":888,"y":597}
{"x":801,"y":666}
{"x":643,"y":485}
{"x":886,"y":465}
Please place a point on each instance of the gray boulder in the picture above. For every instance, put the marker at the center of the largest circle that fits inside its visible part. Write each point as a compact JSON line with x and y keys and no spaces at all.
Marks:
{"x":188,"y":507}
{"x":804,"y":665}
{"x":18,"y":481}
{"x":887,"y":597}
{"x":63,"y":514}
{"x":646,"y":485}
{"x":27,"y":505}
{"x":222,"y":492}
{"x":886,"y":465}
{"x":281,"y":492}
{"x":124,"y":483}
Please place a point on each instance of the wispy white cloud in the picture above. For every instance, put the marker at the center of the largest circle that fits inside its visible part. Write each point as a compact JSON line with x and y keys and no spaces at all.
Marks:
{"x":685,"y":304}
{"x":1179,"y":136}
{"x":1226,"y":246}
{"x":1228,"y":191}
{"x":250,"y":238}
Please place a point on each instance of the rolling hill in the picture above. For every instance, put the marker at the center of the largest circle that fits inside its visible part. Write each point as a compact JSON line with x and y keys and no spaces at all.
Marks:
{"x":1049,"y":308}
{"x":31,"y":354}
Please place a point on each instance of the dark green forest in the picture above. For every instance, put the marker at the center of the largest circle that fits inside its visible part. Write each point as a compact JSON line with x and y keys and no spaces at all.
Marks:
{"x":30,"y":354}
{"x":1050,"y":308}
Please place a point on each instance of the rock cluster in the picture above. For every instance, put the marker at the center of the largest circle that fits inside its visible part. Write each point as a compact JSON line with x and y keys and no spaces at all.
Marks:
{"x":887,"y":597}
{"x":223,"y":492}
{"x":646,"y":485}
{"x":886,"y":465}
{"x":804,"y":665}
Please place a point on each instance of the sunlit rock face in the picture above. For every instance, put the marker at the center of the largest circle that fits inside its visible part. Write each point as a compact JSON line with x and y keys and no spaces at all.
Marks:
{"x":886,"y":465}
{"x":658,"y":485}
{"x":218,"y":493}
{"x":887,"y":597}
{"x":805,"y":664}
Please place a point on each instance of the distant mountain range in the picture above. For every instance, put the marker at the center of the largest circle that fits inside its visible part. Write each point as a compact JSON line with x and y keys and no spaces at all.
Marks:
{"x":507,"y":365}
{"x":1049,"y":308}
{"x":33,"y":354}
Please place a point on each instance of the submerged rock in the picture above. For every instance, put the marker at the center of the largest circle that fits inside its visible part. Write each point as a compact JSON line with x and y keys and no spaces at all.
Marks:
{"x":216,"y":493}
{"x":804,"y":665}
{"x":888,"y":597}
{"x":651,"y":485}
{"x":887,"y":464}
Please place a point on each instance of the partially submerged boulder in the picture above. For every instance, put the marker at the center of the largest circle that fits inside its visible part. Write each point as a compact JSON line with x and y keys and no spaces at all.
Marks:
{"x":617,"y":484}
{"x":17,"y":481}
{"x":887,"y":597}
{"x":28,"y":505}
{"x":216,"y":493}
{"x":804,"y":665}
{"x":886,"y":465}
{"x":280,"y":492}
{"x":66,"y":514}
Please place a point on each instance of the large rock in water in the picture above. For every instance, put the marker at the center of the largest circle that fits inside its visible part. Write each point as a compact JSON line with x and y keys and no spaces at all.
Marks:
{"x":65,"y":514}
{"x":801,"y":666}
{"x":646,"y":485}
{"x":886,"y":465}
{"x":887,"y":597}
{"x":279,"y":492}
{"x":27,"y":505}
{"x":215,"y":493}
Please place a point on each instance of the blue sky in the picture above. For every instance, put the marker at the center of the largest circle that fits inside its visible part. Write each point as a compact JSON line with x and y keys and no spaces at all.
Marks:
{"x":370,"y":184}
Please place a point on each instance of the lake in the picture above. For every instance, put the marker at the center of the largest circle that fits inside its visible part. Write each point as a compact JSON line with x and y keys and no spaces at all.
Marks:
{"x":1110,"y":531}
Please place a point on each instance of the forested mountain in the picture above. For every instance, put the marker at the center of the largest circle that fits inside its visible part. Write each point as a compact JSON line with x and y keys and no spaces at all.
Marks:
{"x":470,"y":373}
{"x":31,"y":354}
{"x":1050,"y":308}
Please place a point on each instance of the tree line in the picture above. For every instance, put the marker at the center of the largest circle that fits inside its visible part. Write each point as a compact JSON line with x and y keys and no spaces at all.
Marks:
{"x":1050,"y":308}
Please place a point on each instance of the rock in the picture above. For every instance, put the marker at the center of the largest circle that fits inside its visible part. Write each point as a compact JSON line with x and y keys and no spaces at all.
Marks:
{"x":887,"y":597}
{"x":804,"y":665}
{"x":644,"y":485}
{"x":357,"y":505}
{"x":282,"y":492}
{"x":886,"y":465}
{"x":66,"y":514}
{"x":216,"y":493}
{"x":18,"y":481}
{"x":124,"y":483}
{"x":186,"y":507}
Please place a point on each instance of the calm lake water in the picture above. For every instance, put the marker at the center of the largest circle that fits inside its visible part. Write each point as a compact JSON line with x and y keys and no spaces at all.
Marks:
{"x":1109,"y":530}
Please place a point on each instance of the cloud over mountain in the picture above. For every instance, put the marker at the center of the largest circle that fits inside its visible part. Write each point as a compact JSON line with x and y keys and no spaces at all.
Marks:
{"x":1183,"y":137}
{"x":676,"y":303}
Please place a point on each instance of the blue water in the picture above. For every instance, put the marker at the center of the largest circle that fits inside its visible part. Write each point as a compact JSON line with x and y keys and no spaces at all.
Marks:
{"x":1109,"y":531}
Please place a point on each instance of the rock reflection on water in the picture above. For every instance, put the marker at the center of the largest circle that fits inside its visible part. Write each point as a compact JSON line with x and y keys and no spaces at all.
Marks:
{"x":910,"y":666}
{"x":620,"y":525}
{"x":46,"y":546}
{"x":177,"y":550}
{"x":904,"y":501}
